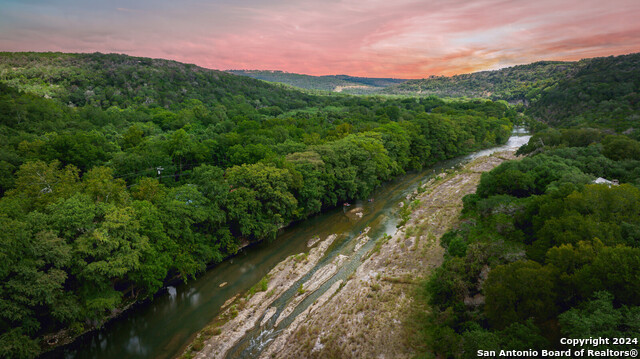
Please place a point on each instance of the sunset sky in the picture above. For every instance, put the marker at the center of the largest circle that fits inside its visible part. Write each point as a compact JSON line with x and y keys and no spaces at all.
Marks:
{"x":381,"y":38}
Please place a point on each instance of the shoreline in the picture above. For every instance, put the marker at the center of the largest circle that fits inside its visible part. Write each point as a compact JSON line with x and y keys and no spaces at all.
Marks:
{"x":368,"y":316}
{"x":244,"y":312}
{"x":349,"y":313}
{"x":63,"y":340}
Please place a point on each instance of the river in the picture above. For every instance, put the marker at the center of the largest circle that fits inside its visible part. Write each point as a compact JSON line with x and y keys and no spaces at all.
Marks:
{"x":163,"y":327}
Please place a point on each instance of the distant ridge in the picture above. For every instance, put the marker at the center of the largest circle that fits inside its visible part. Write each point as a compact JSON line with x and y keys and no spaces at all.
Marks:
{"x":335,"y":83}
{"x":514,"y":84}
{"x":601,"y":91}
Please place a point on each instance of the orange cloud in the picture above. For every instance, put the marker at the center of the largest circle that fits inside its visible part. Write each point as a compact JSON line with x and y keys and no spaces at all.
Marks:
{"x":404,"y":38}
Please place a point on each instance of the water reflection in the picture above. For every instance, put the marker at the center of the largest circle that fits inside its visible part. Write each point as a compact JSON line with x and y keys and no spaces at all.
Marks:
{"x":135,"y":347}
{"x":195,"y":298}
{"x":172,"y":292}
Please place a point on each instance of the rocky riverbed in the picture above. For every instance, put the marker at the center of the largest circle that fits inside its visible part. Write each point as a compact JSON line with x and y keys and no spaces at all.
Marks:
{"x":364,"y":316}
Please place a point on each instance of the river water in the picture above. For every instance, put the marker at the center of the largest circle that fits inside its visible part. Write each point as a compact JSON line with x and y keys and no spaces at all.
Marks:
{"x":163,"y":327}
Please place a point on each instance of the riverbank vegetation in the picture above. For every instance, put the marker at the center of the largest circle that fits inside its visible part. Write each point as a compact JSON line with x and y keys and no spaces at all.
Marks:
{"x":542,"y":252}
{"x":119,"y":173}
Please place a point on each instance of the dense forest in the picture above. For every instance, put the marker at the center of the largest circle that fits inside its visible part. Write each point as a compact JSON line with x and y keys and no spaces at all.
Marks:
{"x":338,"y":83}
{"x":604,"y":92}
{"x":542,"y":252}
{"x":120,"y":173}
{"x":106,"y":80}
{"x":599,"y":92}
{"x":515,"y":84}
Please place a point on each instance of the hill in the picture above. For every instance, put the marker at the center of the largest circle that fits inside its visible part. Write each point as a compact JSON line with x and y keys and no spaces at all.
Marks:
{"x":602,"y":92}
{"x":336,"y":83}
{"x":514,"y":84}
{"x":597,"y":92}
{"x":106,"y":80}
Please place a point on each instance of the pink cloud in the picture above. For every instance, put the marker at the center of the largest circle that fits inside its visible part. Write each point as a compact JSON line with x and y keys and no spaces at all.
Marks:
{"x":405,"y":38}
